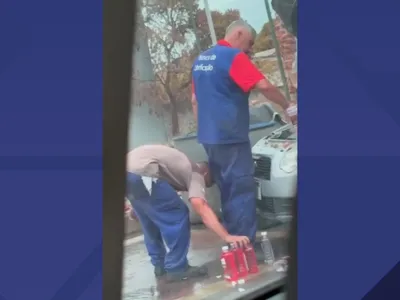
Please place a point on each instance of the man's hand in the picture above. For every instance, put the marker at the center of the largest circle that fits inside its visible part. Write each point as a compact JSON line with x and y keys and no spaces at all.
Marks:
{"x":129,"y":212}
{"x":237,"y":240}
{"x":289,"y":119}
{"x":291,"y":113}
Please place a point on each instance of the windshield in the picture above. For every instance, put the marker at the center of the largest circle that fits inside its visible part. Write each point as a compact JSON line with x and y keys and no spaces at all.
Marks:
{"x":204,"y":238}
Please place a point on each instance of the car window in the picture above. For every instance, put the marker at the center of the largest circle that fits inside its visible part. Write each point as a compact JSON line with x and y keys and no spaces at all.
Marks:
{"x":171,"y":252}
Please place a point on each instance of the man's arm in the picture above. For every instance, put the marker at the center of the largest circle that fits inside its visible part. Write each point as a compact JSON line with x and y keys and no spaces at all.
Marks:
{"x":197,"y":198}
{"x":272,"y":93}
{"x":211,"y":221}
{"x":245,"y":74}
{"x":208,"y":217}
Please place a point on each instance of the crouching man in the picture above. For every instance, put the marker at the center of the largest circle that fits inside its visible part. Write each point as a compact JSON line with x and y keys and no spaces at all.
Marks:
{"x":154,"y":174}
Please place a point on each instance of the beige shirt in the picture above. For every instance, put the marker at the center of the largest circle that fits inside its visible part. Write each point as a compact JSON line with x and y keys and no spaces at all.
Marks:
{"x":169,"y":164}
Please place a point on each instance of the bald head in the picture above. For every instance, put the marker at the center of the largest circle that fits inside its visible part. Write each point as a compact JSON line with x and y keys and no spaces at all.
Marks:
{"x":240,"y":35}
{"x":240,"y":25}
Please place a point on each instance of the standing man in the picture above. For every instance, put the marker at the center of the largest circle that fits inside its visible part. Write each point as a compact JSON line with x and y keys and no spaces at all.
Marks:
{"x":223,"y":77}
{"x":155,"y":173}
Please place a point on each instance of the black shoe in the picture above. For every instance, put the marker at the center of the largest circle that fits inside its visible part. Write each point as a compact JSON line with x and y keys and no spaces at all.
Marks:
{"x":191,"y":272}
{"x":159,"y":271}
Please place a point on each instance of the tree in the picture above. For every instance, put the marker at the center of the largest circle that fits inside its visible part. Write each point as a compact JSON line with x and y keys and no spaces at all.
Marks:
{"x":174,"y":43}
{"x":263,"y":40}
{"x":145,"y":88}
{"x":221,"y":22}
{"x":171,"y":41}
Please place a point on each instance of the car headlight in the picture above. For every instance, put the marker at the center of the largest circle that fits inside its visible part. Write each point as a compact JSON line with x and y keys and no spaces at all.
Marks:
{"x":288,"y":163}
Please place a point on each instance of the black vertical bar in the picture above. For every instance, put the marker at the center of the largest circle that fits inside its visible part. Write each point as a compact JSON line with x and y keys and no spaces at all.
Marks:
{"x":118,"y":22}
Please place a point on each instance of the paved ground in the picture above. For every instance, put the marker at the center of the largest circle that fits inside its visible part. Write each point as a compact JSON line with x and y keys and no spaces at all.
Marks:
{"x":140,"y":284}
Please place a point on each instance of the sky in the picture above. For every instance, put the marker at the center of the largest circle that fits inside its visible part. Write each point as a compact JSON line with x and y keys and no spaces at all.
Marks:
{"x":253,"y":11}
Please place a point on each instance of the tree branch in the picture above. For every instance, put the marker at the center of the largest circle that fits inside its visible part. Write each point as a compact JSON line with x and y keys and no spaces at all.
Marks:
{"x":158,"y":77}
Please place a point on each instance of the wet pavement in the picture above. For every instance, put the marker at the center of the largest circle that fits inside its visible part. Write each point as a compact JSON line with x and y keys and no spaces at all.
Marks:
{"x":140,"y":283}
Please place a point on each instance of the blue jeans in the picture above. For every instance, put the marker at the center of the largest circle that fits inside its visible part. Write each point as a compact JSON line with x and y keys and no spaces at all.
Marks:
{"x":164,"y":217}
{"x":232,"y":168}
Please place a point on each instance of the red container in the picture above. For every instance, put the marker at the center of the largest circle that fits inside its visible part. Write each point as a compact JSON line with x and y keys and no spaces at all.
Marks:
{"x":240,"y":261}
{"x":251,"y":259}
{"x":228,"y":262}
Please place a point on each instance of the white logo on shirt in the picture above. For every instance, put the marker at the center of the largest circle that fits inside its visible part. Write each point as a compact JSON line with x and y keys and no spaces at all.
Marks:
{"x":207,"y":57}
{"x":204,"y":68}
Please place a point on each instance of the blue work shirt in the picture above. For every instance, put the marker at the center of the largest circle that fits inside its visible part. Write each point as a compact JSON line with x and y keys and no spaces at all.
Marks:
{"x":222,"y":79}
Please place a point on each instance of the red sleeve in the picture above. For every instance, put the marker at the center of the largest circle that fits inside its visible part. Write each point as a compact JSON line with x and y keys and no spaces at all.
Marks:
{"x":244,"y":72}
